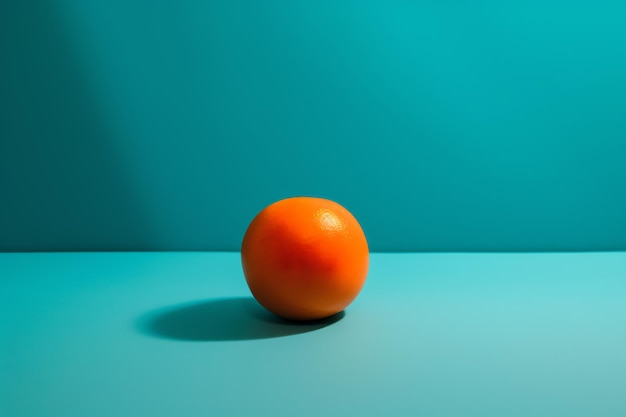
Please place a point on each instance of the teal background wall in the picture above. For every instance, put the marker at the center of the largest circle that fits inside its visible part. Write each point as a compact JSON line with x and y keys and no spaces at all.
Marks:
{"x":442,"y":125}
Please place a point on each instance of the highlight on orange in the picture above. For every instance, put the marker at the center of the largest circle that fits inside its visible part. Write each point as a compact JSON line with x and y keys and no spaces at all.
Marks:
{"x":305,"y":258}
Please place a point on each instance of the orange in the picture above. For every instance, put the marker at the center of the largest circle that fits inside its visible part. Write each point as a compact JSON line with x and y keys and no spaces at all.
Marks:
{"x":305,"y":258}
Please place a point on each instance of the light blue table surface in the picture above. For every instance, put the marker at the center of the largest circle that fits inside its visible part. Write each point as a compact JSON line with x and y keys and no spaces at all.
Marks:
{"x":177,"y":334}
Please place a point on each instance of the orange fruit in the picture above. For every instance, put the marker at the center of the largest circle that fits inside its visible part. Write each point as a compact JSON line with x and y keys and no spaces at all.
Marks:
{"x":305,"y":258}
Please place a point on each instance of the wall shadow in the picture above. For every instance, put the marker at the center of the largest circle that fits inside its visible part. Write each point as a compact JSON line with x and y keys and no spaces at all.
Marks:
{"x":223,"y":319}
{"x":62,"y":180}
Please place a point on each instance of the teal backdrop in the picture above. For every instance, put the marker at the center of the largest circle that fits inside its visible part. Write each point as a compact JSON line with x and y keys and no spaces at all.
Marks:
{"x":442,"y":125}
